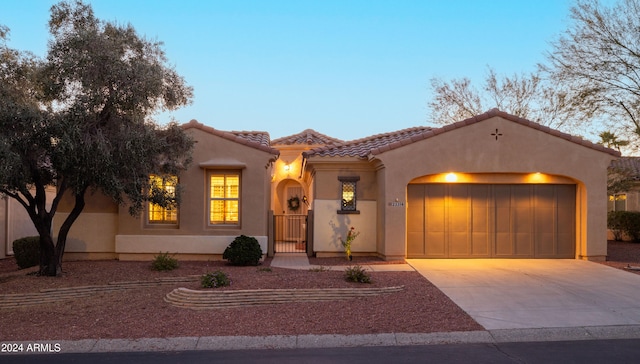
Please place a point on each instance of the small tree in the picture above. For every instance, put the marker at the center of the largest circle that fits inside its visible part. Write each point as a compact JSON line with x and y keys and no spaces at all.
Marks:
{"x":80,"y":120}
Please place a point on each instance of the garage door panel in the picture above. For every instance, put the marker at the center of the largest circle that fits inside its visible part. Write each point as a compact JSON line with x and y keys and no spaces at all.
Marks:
{"x":480,"y":244}
{"x":415,"y":244}
{"x":523,"y":243}
{"x":521,"y":219}
{"x":435,"y":246}
{"x":566,"y":242}
{"x":503,"y":245}
{"x":459,"y":244}
{"x":415,"y":220}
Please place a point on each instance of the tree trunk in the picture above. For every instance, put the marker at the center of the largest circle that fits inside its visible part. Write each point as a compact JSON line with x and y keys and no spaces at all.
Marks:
{"x":47,"y":253}
{"x":50,"y":254}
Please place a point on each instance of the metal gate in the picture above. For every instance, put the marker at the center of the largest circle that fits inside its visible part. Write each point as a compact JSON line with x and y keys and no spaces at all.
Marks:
{"x":290,"y":233}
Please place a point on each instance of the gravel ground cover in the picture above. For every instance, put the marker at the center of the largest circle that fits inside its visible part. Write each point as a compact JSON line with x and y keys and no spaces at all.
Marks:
{"x":142,"y":312}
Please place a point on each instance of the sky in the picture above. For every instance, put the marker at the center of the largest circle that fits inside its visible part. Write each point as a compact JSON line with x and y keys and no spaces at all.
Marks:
{"x":345,"y":68}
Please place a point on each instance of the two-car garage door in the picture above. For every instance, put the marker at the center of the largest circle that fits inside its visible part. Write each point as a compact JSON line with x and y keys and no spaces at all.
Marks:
{"x":491,"y":221}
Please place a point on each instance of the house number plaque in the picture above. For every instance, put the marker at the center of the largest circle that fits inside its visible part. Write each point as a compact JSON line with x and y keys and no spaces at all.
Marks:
{"x":396,"y":203}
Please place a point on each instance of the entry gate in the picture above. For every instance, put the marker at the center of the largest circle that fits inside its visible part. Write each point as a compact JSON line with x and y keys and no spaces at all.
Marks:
{"x":290,"y":233}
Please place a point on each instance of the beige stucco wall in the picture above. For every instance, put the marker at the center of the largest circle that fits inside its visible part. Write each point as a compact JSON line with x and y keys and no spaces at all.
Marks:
{"x":521,"y":150}
{"x":190,"y":246}
{"x":330,"y":227}
{"x":93,"y":232}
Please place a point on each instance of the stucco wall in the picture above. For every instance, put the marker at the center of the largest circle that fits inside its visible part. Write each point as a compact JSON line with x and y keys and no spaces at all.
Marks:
{"x":329,"y":226}
{"x":194,"y":246}
{"x":93,"y":232}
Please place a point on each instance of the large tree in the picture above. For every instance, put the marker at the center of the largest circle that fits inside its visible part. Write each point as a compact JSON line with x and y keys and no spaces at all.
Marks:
{"x":598,"y":59}
{"x":528,"y":96}
{"x":81,"y":120}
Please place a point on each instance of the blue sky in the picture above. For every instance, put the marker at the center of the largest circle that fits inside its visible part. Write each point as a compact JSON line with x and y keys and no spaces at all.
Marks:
{"x":348,"y":68}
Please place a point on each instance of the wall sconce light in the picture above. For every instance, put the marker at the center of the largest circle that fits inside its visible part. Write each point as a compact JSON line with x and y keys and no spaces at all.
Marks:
{"x":287,"y":168}
{"x":451,"y":177}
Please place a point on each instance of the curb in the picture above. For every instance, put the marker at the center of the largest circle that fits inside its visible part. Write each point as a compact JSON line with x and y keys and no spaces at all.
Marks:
{"x":225,"y":343}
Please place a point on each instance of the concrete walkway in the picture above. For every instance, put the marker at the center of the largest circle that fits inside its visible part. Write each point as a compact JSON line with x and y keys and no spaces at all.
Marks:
{"x":300,"y":261}
{"x":533,"y":294}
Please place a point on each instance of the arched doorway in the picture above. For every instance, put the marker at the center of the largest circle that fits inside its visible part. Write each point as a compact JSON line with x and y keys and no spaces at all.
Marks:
{"x":290,"y":217}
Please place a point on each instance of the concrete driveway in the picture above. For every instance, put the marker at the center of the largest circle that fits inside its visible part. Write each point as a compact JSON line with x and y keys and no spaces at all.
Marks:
{"x":540,"y":293}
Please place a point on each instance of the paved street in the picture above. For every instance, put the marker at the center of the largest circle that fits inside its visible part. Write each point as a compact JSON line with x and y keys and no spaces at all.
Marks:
{"x":597,"y":351}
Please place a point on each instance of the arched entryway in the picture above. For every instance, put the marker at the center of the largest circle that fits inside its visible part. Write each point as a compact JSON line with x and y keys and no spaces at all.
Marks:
{"x":290,"y":217}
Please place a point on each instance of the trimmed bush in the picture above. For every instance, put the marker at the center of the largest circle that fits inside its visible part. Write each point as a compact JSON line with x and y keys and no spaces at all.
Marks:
{"x":615,"y":224}
{"x":356,"y":274}
{"x":164,"y":262}
{"x":243,"y":250}
{"x":27,"y":251}
{"x":624,"y":223}
{"x":215,"y":279}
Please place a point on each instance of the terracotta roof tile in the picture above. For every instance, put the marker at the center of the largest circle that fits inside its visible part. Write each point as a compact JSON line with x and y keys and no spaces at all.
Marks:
{"x":631,"y":164}
{"x":362,"y":147}
{"x":307,"y":137}
{"x":384,"y":142}
{"x":255,"y":139}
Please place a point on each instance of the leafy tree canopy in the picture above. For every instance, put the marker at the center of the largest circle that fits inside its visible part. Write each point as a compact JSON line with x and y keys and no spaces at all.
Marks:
{"x":82,"y":120}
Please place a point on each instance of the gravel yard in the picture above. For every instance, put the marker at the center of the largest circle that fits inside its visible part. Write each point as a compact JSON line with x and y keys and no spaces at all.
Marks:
{"x":142,"y":312}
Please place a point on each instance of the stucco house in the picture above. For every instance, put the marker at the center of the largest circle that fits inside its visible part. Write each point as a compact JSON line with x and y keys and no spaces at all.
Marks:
{"x":629,"y":199}
{"x":492,"y":186}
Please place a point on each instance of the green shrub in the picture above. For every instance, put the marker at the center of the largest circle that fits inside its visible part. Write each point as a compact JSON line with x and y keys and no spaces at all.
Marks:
{"x":27,"y":251}
{"x":356,"y":274}
{"x":215,"y":279}
{"x":624,"y":223}
{"x":163,"y":262}
{"x":615,"y":224}
{"x":243,"y":250}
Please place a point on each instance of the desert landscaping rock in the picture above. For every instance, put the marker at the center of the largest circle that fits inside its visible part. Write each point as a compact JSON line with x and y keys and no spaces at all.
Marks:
{"x":193,"y":299}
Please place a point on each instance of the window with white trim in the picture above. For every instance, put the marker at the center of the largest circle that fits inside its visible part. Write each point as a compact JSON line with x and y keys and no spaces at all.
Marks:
{"x":617,"y":202}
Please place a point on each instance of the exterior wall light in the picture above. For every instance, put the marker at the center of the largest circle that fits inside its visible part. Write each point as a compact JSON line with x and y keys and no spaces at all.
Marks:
{"x":451,"y":177}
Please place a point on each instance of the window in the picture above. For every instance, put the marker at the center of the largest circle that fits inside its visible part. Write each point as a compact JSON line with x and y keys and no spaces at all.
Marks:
{"x":167,"y":188}
{"x":617,"y":202}
{"x":224,"y":198}
{"x":348,"y":195}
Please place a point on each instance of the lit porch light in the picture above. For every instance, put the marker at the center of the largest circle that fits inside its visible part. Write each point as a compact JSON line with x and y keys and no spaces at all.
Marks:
{"x":451,"y":177}
{"x":287,"y":168}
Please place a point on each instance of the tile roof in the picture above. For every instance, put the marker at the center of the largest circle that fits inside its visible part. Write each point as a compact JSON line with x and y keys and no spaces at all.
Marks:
{"x":384,"y":142}
{"x":631,"y":164}
{"x":362,"y":147}
{"x":307,"y":137}
{"x":255,"y":139}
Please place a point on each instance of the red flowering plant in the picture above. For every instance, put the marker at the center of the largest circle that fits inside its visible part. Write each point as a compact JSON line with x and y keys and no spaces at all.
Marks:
{"x":351,"y":236}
